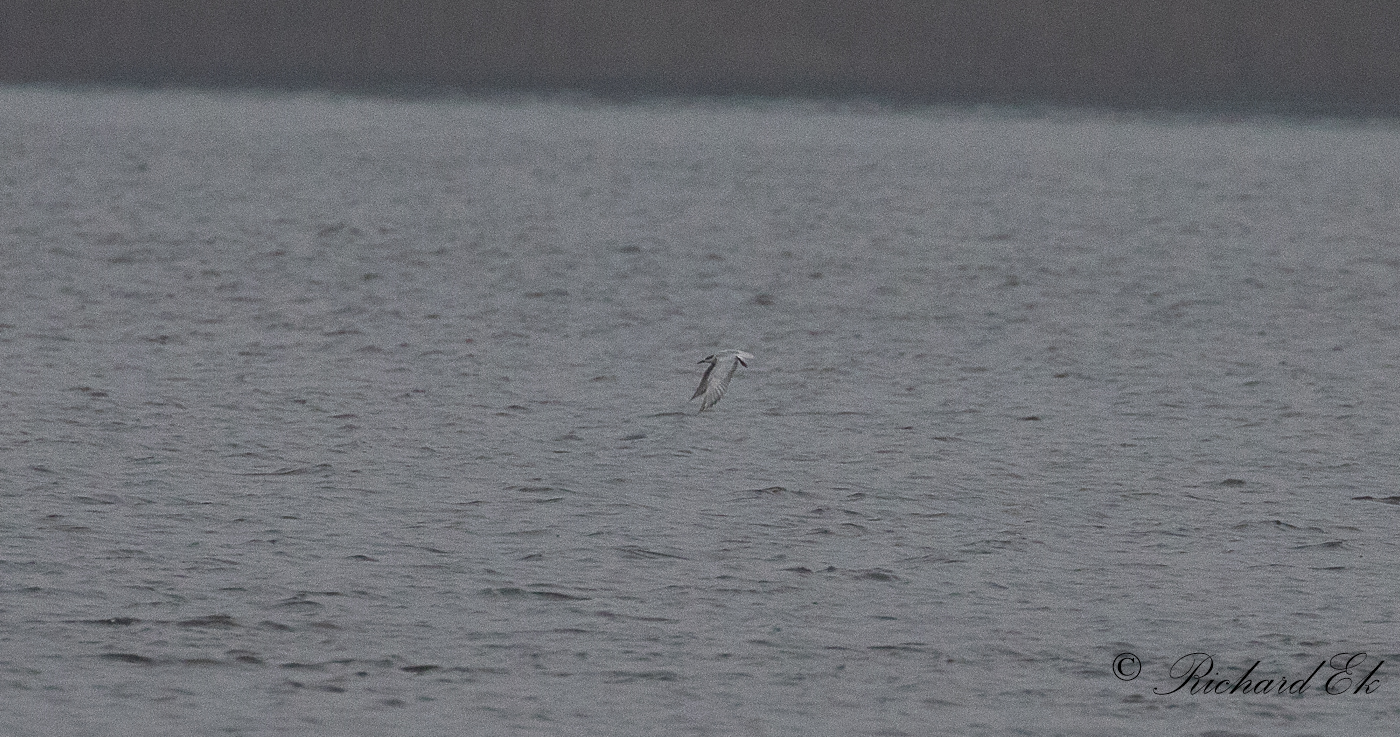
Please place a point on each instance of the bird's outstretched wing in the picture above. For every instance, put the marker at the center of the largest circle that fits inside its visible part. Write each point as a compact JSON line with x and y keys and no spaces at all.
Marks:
{"x":715,"y":388}
{"x":705,"y":380}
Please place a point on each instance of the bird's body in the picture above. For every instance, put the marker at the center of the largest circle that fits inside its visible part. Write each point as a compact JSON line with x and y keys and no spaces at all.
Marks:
{"x":717,"y":376}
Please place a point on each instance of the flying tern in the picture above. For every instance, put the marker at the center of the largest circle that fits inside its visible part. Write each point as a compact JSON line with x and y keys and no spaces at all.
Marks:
{"x":717,"y":376}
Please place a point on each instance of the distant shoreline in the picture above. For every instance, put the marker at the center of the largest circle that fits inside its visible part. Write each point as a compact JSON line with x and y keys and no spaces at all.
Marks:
{"x":1281,"y":56}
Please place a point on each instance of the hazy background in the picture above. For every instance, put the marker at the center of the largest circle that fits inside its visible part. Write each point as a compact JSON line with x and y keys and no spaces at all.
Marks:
{"x":1337,"y":55}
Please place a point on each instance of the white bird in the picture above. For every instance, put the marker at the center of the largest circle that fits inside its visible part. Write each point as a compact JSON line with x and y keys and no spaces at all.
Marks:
{"x":714,"y":382}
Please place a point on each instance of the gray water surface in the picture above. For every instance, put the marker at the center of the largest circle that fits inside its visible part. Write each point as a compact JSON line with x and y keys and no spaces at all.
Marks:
{"x":343,"y":416}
